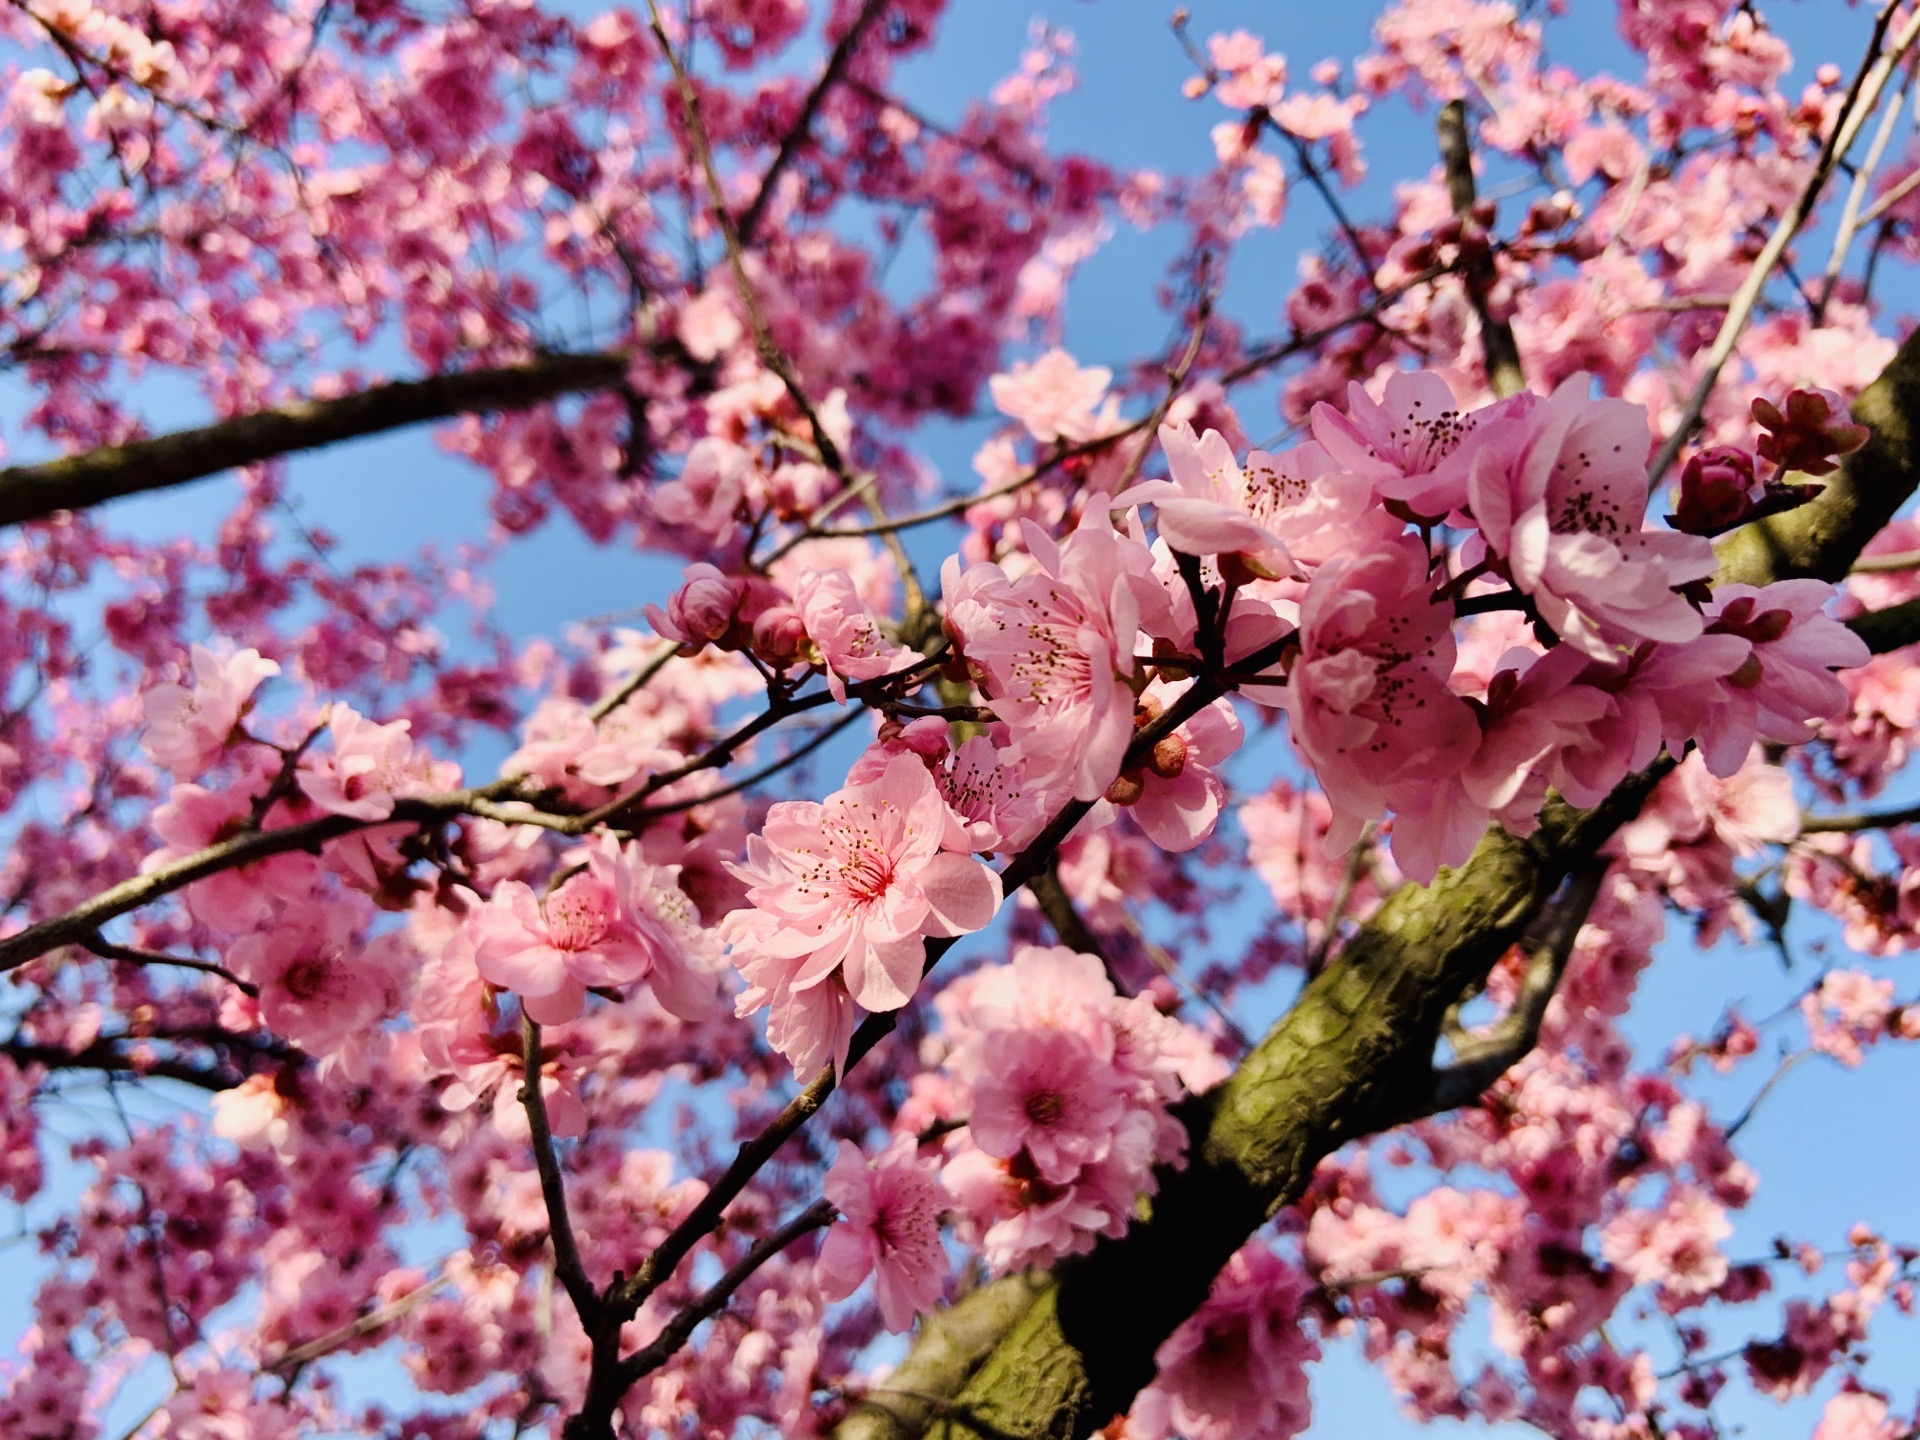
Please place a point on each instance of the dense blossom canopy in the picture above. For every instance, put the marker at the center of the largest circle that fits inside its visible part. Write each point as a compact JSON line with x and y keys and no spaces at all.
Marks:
{"x":840,"y":1011}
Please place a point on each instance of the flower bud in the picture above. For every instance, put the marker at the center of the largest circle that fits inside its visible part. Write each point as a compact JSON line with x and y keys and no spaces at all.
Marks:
{"x":1807,"y":432}
{"x":1716,"y":491}
{"x":778,"y":635}
{"x":1127,"y":787}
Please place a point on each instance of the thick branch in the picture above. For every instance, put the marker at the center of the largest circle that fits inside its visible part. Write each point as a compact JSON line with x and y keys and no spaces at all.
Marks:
{"x":1482,"y":1058}
{"x":75,"y":482}
{"x":949,"y":1349}
{"x":1350,"y":1058}
{"x":1893,"y":628}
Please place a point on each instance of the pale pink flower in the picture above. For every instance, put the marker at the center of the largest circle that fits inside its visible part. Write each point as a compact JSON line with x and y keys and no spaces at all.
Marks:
{"x":706,"y":494}
{"x":1368,"y":700}
{"x":588,"y":932}
{"x":369,"y":767}
{"x":187,"y":729}
{"x":1558,"y":490}
{"x":857,"y":884}
{"x":1404,"y":442}
{"x":1047,"y":1093}
{"x":1055,"y":648}
{"x":1053,"y":397}
{"x":1676,"y":1246}
{"x":1787,"y":681}
{"x":845,"y":632}
{"x":1204,"y":508}
{"x":1316,"y":507}
{"x":889,"y":1228}
{"x":1857,"y":1415}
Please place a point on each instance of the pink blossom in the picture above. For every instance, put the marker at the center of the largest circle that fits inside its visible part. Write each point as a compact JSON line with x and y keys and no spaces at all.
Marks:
{"x":707,"y":492}
{"x":187,"y":729}
{"x":1177,"y":795}
{"x":1367,"y":699}
{"x":1047,"y":1093}
{"x":1857,"y":1415}
{"x":1203,"y":509}
{"x":1676,"y":1246}
{"x":235,"y":900}
{"x":1403,"y":443}
{"x":1559,"y":492}
{"x":590,"y":931}
{"x":1787,"y":680}
{"x":856,"y":885}
{"x":369,"y":767}
{"x":1056,"y":646}
{"x":1053,"y":397}
{"x":319,"y":985}
{"x":845,"y":632}
{"x":1234,"y":1369}
{"x":889,"y":1228}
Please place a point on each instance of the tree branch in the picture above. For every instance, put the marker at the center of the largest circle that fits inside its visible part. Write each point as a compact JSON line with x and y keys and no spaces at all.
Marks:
{"x":1483,"y":1057}
{"x":1504,"y":375}
{"x":802,"y":128}
{"x":107,"y":472}
{"x":947,"y":1351}
{"x":666,"y":1345}
{"x":567,"y":1264}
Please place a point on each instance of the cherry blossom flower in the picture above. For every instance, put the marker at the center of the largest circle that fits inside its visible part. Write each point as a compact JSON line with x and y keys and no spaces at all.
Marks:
{"x":1404,"y":442}
{"x":1053,"y":397}
{"x":1559,"y":492}
{"x":845,"y":632}
{"x":1203,"y":509}
{"x":1367,"y":699}
{"x":369,"y":766}
{"x":858,"y":883}
{"x":889,"y":1228}
{"x":188,"y":728}
{"x":1047,"y":1093}
{"x":1056,"y":647}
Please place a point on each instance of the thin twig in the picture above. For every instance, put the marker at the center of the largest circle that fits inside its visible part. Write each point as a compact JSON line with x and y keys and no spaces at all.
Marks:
{"x":801,"y":130}
{"x":680,"y":1328}
{"x":127,"y":955}
{"x":566,"y":1250}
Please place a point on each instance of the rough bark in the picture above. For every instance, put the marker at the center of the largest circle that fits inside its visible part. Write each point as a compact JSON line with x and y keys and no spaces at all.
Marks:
{"x":1354,"y":1054}
{"x":107,"y":472}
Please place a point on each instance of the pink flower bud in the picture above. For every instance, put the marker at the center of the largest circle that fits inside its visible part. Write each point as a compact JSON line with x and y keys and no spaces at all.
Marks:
{"x":778,"y":635}
{"x":702,"y":609}
{"x":1807,"y":432}
{"x":1716,"y":491}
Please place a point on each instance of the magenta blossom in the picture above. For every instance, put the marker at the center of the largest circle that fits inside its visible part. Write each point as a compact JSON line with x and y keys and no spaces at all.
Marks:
{"x":889,"y":1228}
